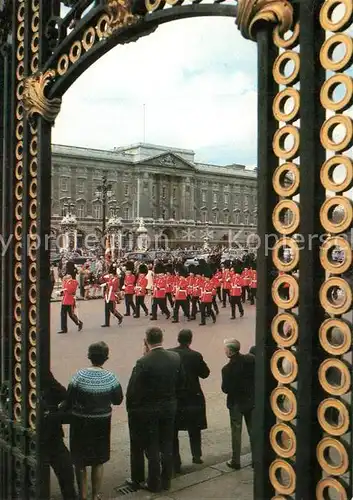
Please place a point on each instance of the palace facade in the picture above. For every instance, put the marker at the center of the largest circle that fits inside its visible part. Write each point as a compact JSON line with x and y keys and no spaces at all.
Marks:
{"x":182,"y":202}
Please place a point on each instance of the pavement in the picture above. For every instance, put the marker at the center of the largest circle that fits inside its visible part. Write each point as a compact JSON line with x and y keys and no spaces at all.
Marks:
{"x":69,"y":353}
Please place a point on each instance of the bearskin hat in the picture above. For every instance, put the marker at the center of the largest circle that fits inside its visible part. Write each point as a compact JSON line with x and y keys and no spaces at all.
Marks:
{"x":143,"y":269}
{"x":169,"y":268}
{"x":71,"y":269}
{"x":197,"y":270}
{"x":112,"y":269}
{"x":207,"y":272}
{"x":213,"y":268}
{"x":129,"y":266}
{"x":192,"y":269}
{"x":159,"y":268}
{"x":227,"y":264}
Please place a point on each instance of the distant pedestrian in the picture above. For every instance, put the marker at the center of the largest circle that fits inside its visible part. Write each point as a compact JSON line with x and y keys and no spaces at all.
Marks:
{"x":238,"y":382}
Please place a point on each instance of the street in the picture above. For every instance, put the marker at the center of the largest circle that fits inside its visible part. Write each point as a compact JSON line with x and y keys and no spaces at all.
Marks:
{"x":69,"y":353}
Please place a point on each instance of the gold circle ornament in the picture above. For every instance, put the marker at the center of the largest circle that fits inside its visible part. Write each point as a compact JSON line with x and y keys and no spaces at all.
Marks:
{"x":288,"y":448}
{"x":330,"y":86}
{"x":279,"y":102}
{"x":278,"y":143}
{"x":330,"y":483}
{"x":75,"y":51}
{"x":285,"y":339}
{"x":89,"y":38}
{"x":19,"y":91}
{"x":286,"y":356}
{"x":32,"y":294}
{"x":279,"y":247}
{"x":328,"y":48}
{"x":32,"y":377}
{"x":20,"y":111}
{"x":321,"y":450}
{"x":153,"y":5}
{"x":18,"y":231}
{"x":327,"y":130}
{"x":32,"y":399}
{"x":326,"y":174}
{"x":35,"y":42}
{"x":21,"y":32}
{"x":279,"y":65}
{"x":285,"y":488}
{"x":293,"y":295}
{"x":63,"y":64}
{"x":18,"y":211}
{"x":326,"y":210}
{"x":19,"y":131}
{"x":335,"y":387}
{"x":345,"y":328}
{"x":32,"y":419}
{"x":33,"y":209}
{"x":280,"y":172}
{"x":33,"y":188}
{"x":33,"y":167}
{"x":291,"y":207}
{"x":21,"y":13}
{"x":18,"y":390}
{"x":327,"y":9}
{"x":18,"y":251}
{"x":32,"y":336}
{"x":328,"y":304}
{"x":336,"y":266}
{"x":20,"y":53}
{"x":282,"y":413}
{"x":343,"y":421}
{"x":286,"y":43}
{"x":17,"y":412}
{"x":18,"y":373}
{"x":102,"y":26}
{"x":35,"y":22}
{"x":32,"y":357}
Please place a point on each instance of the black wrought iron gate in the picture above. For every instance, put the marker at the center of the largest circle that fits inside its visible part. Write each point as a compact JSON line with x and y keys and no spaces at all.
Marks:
{"x":301,"y":412}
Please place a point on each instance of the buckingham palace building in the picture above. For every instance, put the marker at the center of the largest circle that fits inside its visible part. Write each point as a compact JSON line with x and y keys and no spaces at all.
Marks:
{"x":180,"y":202}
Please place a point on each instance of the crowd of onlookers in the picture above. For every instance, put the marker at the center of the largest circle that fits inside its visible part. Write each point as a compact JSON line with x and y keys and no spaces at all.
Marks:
{"x":163,"y":396}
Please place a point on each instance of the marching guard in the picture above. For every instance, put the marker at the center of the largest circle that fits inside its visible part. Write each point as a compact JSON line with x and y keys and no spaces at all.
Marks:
{"x":129,"y":288}
{"x":140,"y":291}
{"x":159,"y":293}
{"x":181,"y":295}
{"x":226,"y":278}
{"x":253,"y":286}
{"x":206,"y":299}
{"x":111,"y":296}
{"x":235,"y":295}
{"x":68,"y":303}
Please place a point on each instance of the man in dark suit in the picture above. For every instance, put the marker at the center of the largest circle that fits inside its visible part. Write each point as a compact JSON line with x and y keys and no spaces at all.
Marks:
{"x":55,"y":452}
{"x":238,"y":382}
{"x":191,"y":413}
{"x":151,"y":401}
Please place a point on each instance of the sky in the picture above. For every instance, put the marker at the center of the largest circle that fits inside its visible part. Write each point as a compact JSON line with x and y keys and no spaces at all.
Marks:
{"x":196,"y":81}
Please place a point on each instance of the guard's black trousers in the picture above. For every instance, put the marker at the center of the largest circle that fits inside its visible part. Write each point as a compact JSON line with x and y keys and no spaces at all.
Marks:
{"x":194,"y":304}
{"x":140,"y":303}
{"x":111,"y":309}
{"x":252,"y":292}
{"x":236,"y":301}
{"x":184,"y":304}
{"x":67,"y":310}
{"x":162,"y":304}
{"x":225,"y":294}
{"x":206,"y":309}
{"x":215,"y":305}
{"x":129,"y":303}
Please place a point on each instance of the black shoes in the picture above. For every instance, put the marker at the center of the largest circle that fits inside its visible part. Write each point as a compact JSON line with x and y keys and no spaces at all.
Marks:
{"x":80,"y":326}
{"x":105,"y":326}
{"x":62,"y":331}
{"x":197,"y":460}
{"x":233,"y":465}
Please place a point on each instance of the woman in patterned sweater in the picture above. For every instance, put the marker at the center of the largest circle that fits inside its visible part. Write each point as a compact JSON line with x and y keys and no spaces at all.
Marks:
{"x":91,"y":393}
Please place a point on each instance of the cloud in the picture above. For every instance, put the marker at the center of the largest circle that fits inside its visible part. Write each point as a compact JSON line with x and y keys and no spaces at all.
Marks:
{"x":197,"y":80}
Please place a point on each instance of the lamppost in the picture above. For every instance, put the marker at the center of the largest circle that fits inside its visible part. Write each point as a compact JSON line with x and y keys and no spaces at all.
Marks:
{"x":114,"y":230}
{"x":69,"y":225}
{"x":103,"y":193}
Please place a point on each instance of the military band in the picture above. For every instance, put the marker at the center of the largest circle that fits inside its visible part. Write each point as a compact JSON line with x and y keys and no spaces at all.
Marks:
{"x":192,"y":291}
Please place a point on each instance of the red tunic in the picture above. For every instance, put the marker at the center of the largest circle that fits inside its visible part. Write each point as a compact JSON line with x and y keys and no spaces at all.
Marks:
{"x":214,"y":280}
{"x":170,"y":278}
{"x":218,"y":278}
{"x":226,"y":279}
{"x":69,"y":287}
{"x":159,"y":286}
{"x":253,"y":281}
{"x":141,"y":285}
{"x":198,"y":284}
{"x":129,"y":283}
{"x":191,"y":283}
{"x":181,"y":291}
{"x":207,"y":292}
{"x":235,"y":288}
{"x":112,"y":289}
{"x":246,"y":277}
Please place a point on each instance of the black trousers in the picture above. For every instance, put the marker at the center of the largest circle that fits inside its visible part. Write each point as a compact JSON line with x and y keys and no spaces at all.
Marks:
{"x":162,"y":304}
{"x":215,"y":305}
{"x":184,"y":304}
{"x":129,"y":303}
{"x":169,"y":297}
{"x":252,"y":292}
{"x":65,"y":311}
{"x":140,"y":302}
{"x":109,"y":308}
{"x":219,"y":295}
{"x":194,"y":303}
{"x":59,"y":458}
{"x":225,"y":294}
{"x":236,"y":301}
{"x":137,"y":448}
{"x":195,"y":445}
{"x":245,"y":293}
{"x":159,"y":432}
{"x":206,"y":308}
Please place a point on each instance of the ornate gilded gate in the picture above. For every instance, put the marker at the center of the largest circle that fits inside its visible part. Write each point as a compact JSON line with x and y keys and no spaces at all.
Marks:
{"x":303,"y":415}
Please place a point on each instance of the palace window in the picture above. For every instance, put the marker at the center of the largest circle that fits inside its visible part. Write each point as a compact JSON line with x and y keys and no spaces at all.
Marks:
{"x":226,"y":198}
{"x":226,"y":218}
{"x":174,"y":214}
{"x":215,"y":198}
{"x":246,"y":200}
{"x":97,"y":211}
{"x":236,"y":217}
{"x":126,"y":213}
{"x":215,"y":216}
{"x":204,"y":216}
{"x":164,"y":192}
{"x":63,"y":184}
{"x":203,"y":196}
{"x":174,"y":193}
{"x":153,"y":191}
{"x":246,"y":219}
{"x":126,"y":189}
{"x":164,"y":214}
{"x":80,"y":185}
{"x":81,"y":210}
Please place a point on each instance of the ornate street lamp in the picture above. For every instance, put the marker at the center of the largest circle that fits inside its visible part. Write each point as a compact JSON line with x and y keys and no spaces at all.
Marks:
{"x":69,"y":225}
{"x":114,"y":231}
{"x":103,"y":193}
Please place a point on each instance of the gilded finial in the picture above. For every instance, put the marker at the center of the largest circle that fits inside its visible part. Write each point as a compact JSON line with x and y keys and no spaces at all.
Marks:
{"x":120,"y":15}
{"x":250,"y":12}
{"x":34,"y":99}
